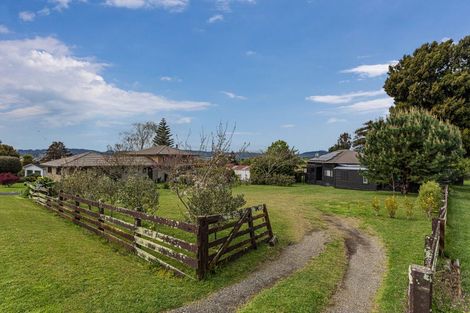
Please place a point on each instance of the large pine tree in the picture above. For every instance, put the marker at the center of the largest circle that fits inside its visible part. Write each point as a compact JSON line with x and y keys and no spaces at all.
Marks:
{"x":163,"y":136}
{"x":56,"y":151}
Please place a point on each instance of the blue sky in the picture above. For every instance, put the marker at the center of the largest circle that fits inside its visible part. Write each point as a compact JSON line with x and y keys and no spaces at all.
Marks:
{"x":82,"y":71}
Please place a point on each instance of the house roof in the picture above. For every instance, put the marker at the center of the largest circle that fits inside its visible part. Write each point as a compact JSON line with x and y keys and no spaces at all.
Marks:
{"x":337,"y":157}
{"x":240,"y":167}
{"x":31,"y":165}
{"x":160,"y":150}
{"x":94,"y":159}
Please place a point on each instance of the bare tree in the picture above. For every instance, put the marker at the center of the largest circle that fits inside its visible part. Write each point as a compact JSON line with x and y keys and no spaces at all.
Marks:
{"x":139,"y":137}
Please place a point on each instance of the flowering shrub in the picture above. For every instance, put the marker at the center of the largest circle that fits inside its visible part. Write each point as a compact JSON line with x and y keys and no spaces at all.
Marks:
{"x":391,"y":205}
{"x":8,"y":179}
{"x":429,"y":198}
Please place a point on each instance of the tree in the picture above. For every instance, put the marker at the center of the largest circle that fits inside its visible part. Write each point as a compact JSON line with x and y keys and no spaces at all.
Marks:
{"x":27,"y":159}
{"x":139,"y":137}
{"x":7,"y":150}
{"x":412,"y":146}
{"x":9,"y":164}
{"x":344,"y":142}
{"x":276,"y":166}
{"x":360,"y":136}
{"x":56,"y":150}
{"x":436,"y":77}
{"x":163,"y":136}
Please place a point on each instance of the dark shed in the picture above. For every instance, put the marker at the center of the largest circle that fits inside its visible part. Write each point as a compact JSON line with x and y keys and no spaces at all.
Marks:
{"x":340,"y":169}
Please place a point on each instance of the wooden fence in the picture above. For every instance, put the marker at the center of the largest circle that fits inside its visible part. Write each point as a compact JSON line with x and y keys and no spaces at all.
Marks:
{"x":421,"y":276}
{"x":183,"y":248}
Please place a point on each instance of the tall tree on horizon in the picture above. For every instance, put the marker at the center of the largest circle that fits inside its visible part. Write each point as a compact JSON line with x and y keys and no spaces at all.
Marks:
{"x":360,"y":134}
{"x":163,"y":135}
{"x":344,"y":142}
{"x":56,"y":150}
{"x":7,"y":150}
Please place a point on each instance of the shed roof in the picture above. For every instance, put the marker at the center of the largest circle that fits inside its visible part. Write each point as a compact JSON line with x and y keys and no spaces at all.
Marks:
{"x":338,"y":157}
{"x":94,"y":159}
{"x":160,"y":150}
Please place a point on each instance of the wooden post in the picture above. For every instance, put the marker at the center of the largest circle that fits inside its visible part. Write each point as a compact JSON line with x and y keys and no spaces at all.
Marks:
{"x":202,"y":247}
{"x":60,"y":200}
{"x":428,"y":251}
{"x":268,"y":222}
{"x":442,"y":236}
{"x":251,"y":228}
{"x":77,"y":212}
{"x":420,"y":289}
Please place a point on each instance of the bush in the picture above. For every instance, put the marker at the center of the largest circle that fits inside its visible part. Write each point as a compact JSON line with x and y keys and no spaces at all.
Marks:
{"x":429,"y":198}
{"x":139,"y":193}
{"x":31,"y":178}
{"x":275,"y":179}
{"x":376,"y":206}
{"x":9,"y":164}
{"x":8,"y":179}
{"x":391,"y":205}
{"x":409,"y":207}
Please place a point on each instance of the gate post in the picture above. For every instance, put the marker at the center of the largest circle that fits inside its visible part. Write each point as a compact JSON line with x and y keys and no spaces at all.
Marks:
{"x":420,"y":289}
{"x":202,"y":247}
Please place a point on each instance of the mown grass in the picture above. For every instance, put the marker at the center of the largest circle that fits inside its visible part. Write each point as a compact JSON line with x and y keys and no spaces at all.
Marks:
{"x":64,"y":268}
{"x":308,"y":290}
{"x":18,"y":187}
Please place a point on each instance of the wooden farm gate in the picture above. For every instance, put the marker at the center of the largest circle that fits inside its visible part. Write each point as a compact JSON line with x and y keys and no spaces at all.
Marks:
{"x":183,"y":248}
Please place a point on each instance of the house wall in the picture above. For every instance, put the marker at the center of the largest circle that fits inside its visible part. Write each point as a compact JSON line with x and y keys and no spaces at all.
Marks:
{"x":244,"y":175}
{"x":352,"y":179}
{"x":33,"y":169}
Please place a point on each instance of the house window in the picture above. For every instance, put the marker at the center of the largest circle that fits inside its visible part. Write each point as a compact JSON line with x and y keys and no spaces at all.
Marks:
{"x":29,"y":172}
{"x":58,"y":170}
{"x":49,"y":169}
{"x":37,"y":172}
{"x":329,"y":173}
{"x":365,"y":181}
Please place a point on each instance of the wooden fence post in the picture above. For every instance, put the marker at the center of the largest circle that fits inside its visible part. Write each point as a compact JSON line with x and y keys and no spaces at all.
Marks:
{"x":61,"y":198}
{"x":268,"y":222}
{"x":202,"y":247}
{"x":420,"y":289}
{"x":428,"y":251}
{"x":251,"y":227}
{"x":77,"y":212}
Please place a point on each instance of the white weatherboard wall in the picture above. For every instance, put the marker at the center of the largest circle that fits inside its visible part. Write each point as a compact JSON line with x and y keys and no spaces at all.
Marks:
{"x":31,"y":169}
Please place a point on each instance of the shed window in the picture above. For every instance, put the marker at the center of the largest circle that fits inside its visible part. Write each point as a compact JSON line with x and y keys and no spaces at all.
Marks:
{"x":365,"y":181}
{"x":29,"y":172}
{"x":328,"y":173}
{"x":37,"y":172}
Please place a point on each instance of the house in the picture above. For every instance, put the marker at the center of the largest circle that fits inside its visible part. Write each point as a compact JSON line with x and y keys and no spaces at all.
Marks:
{"x":33,"y":169}
{"x":155,"y":162}
{"x":340,"y":169}
{"x":242,"y":171}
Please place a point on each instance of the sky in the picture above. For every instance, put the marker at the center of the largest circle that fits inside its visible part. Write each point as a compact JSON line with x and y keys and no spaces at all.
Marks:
{"x":304,"y":71}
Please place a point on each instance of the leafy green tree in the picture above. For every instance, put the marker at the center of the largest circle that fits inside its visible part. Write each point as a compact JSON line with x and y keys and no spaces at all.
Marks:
{"x":344,"y":142}
{"x":7,"y":150}
{"x":27,"y":159}
{"x":436,"y":77}
{"x":163,"y":136}
{"x":276,"y":166}
{"x":56,"y":150}
{"x":10,"y":164}
{"x":360,"y":134}
{"x":412,"y":147}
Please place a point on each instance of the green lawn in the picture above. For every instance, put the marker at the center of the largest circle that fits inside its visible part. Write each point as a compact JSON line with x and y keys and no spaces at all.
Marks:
{"x":18,"y":187}
{"x":458,"y":230}
{"x":52,"y":265}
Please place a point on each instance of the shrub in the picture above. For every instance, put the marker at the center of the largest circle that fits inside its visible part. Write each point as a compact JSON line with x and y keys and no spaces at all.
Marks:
{"x":139,"y":193}
{"x":376,"y":206}
{"x":10,"y":164}
{"x":391,"y":205}
{"x":8,"y":179}
{"x":44,"y":182}
{"x":409,"y":206}
{"x":429,"y":198}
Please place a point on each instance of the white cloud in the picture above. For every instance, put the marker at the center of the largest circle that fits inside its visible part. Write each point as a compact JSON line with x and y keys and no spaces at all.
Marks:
{"x":287,"y":126}
{"x":371,"y":70}
{"x":345,"y":98}
{"x":27,"y":16}
{"x":250,"y":53}
{"x":184,"y":120}
{"x":61,"y":4}
{"x":4,"y":29}
{"x":170,"y":79}
{"x":215,"y":18}
{"x":225,"y":5}
{"x":41,"y":77}
{"x":232,"y":95}
{"x":446,"y":39}
{"x":171,"y":5}
{"x":333,"y":120}
{"x":381,"y":104}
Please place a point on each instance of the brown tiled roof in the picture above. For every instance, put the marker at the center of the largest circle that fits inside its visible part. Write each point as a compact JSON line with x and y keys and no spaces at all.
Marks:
{"x":160,"y":150}
{"x":339,"y":157}
{"x":94,"y":159}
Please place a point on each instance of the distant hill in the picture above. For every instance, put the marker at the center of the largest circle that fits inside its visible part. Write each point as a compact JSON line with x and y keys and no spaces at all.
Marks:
{"x":38,"y":153}
{"x":312,"y":154}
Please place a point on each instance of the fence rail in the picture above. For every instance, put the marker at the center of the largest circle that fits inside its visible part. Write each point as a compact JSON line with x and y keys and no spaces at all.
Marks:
{"x":184,"y":248}
{"x":421,"y":277}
